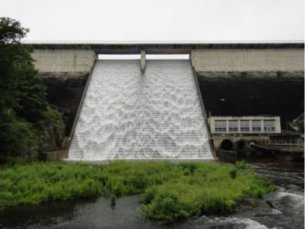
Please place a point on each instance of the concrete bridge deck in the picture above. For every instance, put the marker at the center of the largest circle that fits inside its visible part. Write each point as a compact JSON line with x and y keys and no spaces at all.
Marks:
{"x":161,"y":48}
{"x":206,"y":58}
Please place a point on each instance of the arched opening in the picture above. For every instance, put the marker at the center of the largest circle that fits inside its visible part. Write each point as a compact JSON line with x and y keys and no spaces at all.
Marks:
{"x":226,"y":144}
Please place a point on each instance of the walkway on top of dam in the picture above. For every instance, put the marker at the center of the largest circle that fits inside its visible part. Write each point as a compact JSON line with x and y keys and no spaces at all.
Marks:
{"x":161,"y":48}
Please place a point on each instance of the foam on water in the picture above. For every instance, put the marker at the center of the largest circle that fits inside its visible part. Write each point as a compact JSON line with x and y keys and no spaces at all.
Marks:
{"x":129,"y":115}
{"x":233,"y":222}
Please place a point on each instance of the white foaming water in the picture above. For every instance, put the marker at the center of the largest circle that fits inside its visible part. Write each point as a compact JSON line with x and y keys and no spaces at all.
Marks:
{"x":129,"y":115}
{"x":237,"y":222}
{"x":297,"y":200}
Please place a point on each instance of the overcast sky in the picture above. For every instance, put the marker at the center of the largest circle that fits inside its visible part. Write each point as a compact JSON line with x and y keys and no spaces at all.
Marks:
{"x":158,"y":20}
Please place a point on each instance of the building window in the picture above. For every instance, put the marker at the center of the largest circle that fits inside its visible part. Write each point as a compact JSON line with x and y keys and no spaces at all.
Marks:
{"x":256,"y":126}
{"x":245,"y":125}
{"x":269,"y":125}
{"x":220,"y":126}
{"x":233,"y":126}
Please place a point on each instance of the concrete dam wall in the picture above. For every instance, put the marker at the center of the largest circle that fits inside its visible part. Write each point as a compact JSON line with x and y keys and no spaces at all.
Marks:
{"x":247,"y":60}
{"x":65,"y":72}
{"x":245,"y":82}
{"x":234,"y":79}
{"x":68,"y":61}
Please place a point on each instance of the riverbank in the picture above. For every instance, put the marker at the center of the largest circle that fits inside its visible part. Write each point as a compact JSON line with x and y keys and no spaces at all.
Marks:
{"x":170,"y":192}
{"x":283,"y":208}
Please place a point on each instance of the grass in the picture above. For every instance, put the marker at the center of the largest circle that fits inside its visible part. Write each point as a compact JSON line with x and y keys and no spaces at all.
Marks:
{"x":169,"y":191}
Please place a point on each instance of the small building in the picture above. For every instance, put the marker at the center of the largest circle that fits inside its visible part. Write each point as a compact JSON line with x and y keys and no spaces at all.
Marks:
{"x":245,"y":125}
{"x":245,"y":136}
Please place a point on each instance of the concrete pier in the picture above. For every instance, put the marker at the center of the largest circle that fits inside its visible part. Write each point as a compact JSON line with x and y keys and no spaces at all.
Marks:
{"x":143,"y":61}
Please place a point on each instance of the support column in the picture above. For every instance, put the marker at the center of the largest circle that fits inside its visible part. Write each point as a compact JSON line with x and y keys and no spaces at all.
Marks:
{"x":143,"y":61}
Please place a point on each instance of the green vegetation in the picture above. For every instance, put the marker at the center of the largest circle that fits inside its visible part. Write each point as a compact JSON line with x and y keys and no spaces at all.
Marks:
{"x":27,"y":123}
{"x":170,"y":191}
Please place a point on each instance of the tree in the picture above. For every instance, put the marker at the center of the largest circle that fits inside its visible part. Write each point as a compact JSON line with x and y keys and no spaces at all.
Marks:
{"x":25,"y":114}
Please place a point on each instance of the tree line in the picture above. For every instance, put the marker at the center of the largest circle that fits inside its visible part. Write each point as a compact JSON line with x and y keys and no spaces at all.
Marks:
{"x":27,"y":122}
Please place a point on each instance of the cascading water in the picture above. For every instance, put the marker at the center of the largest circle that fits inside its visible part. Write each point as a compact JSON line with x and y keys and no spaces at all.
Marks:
{"x":130,"y":115}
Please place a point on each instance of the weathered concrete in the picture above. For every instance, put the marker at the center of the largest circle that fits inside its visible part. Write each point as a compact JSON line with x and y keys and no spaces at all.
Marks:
{"x":65,"y":72}
{"x":257,"y":81}
{"x":253,"y":94}
{"x":219,"y":139}
{"x":247,"y":60}
{"x":64,"y":60}
{"x":65,"y":91}
{"x":235,"y":79}
{"x":206,"y":58}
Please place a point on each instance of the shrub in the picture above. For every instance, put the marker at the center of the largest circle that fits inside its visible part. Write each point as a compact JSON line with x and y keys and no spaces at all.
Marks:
{"x":170,"y":192}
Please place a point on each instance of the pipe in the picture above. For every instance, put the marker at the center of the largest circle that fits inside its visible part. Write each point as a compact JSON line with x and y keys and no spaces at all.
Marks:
{"x":253,"y":145}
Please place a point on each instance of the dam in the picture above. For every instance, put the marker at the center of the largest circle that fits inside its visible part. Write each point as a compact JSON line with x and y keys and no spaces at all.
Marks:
{"x":237,"y":80}
{"x":127,"y":114}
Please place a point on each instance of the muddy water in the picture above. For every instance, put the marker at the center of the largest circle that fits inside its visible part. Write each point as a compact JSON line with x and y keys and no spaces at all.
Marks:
{"x":282,"y":209}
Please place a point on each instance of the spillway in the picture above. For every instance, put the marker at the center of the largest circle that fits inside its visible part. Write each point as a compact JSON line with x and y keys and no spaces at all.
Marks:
{"x":127,"y":114}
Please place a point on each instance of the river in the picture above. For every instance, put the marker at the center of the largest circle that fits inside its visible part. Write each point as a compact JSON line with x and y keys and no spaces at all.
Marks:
{"x":281,"y":209}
